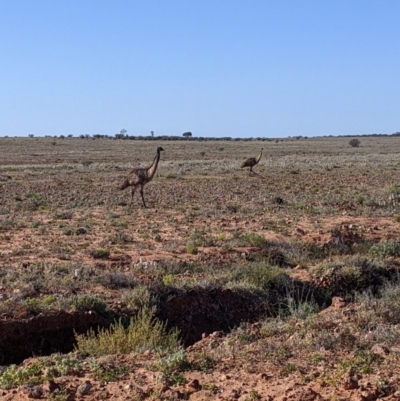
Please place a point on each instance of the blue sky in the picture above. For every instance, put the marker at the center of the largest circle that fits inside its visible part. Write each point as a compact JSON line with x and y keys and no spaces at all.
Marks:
{"x":215,"y":68}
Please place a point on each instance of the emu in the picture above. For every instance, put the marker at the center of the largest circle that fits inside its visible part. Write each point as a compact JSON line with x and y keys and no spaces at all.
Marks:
{"x":251,"y":162}
{"x":139,"y":177}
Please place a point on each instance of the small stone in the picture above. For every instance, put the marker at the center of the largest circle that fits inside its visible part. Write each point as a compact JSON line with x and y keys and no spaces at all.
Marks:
{"x":307,"y":394}
{"x":379,"y":350}
{"x":366,"y":396}
{"x":350,"y":384}
{"x":174,"y":395}
{"x":195,"y":385}
{"x":338,"y":302}
{"x":262,"y":376}
{"x":136,"y":392}
{"x":33,"y":391}
{"x":50,"y":386}
{"x":81,"y":231}
{"x":84,"y":388}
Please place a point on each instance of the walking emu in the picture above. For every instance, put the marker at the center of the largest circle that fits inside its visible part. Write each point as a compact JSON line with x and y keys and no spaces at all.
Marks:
{"x":251,"y":162}
{"x":139,"y":177}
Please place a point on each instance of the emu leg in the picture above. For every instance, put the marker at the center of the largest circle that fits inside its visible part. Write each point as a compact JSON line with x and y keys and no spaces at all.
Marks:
{"x":141,"y":193}
{"x":133,"y":193}
{"x":252,"y":171}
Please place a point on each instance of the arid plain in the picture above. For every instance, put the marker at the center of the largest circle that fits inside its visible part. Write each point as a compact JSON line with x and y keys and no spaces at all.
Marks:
{"x":283,"y":285}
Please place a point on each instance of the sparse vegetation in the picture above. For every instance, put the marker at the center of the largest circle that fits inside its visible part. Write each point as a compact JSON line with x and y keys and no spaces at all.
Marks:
{"x":246,"y":267}
{"x":144,"y":332}
{"x":39,"y":371}
{"x":354,"y":143}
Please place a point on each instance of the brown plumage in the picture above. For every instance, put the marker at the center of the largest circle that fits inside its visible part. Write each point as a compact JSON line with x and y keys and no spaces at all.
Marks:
{"x":251,"y":162}
{"x":139,"y":177}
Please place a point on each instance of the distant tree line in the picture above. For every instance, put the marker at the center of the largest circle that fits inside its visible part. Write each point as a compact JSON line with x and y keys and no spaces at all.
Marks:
{"x":188,"y":136}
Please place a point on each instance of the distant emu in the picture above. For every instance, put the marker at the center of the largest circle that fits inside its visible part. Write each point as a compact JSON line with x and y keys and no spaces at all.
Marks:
{"x":251,"y":162}
{"x":139,"y":177}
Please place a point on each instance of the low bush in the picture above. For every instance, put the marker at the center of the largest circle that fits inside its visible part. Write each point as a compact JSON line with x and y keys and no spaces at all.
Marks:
{"x":144,"y":332}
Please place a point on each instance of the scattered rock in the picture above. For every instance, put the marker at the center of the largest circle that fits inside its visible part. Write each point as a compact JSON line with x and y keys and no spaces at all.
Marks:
{"x":174,"y":395}
{"x":136,"y":392}
{"x":379,"y":350}
{"x":350,"y":382}
{"x":83,"y":389}
{"x":338,"y":303}
{"x":262,"y":376}
{"x":50,"y":386}
{"x":217,"y":334}
{"x":309,"y":395}
{"x":235,"y":394}
{"x":366,"y":395}
{"x":33,"y":391}
{"x":195,"y":385}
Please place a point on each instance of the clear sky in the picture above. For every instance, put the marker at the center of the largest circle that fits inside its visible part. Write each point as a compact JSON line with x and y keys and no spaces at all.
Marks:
{"x":236,"y":68}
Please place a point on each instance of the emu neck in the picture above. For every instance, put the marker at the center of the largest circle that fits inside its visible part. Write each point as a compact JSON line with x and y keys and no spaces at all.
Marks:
{"x":258,"y":157}
{"x":153,"y":167}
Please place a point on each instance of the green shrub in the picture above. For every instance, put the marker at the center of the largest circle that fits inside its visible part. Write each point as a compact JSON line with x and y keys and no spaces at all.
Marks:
{"x":168,"y":279}
{"x":388,"y":305}
{"x":205,"y":364}
{"x":353,"y":274}
{"x":145,"y":332}
{"x":107,"y":372}
{"x":39,"y":371}
{"x":191,"y":248}
{"x":255,"y":240}
{"x":261,"y":276}
{"x":354,"y":143}
{"x":64,"y":215}
{"x":138,"y":298}
{"x":86,"y":163}
{"x":100,"y":253}
{"x":40,"y":304}
{"x":385,"y":249}
{"x":121,"y":238}
{"x":172,"y":363}
{"x":89,"y":302}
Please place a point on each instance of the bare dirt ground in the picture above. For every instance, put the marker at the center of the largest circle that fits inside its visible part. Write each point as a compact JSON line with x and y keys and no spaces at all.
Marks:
{"x":64,"y":226}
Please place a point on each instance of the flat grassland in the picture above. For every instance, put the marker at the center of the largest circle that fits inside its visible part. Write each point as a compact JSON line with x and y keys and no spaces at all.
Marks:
{"x":319,"y":212}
